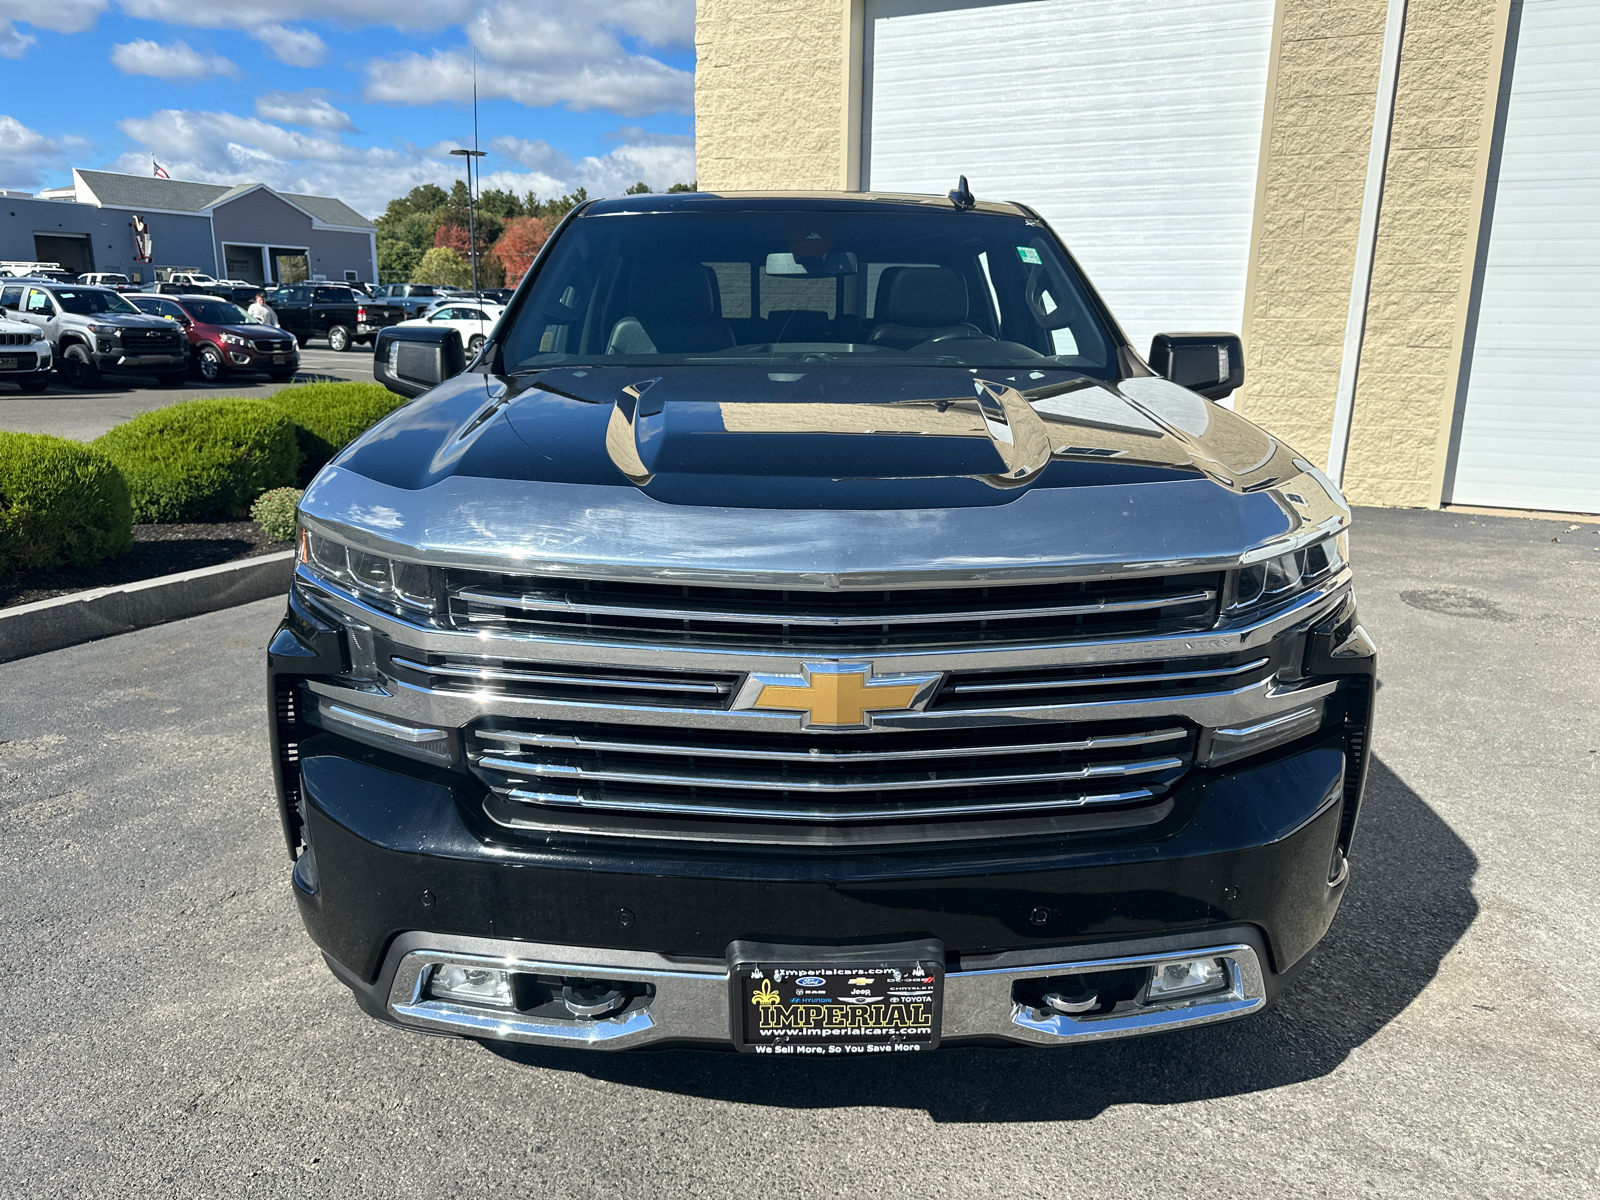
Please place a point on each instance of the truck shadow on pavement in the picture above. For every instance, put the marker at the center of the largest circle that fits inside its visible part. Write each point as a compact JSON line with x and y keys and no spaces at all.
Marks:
{"x":1409,"y":902}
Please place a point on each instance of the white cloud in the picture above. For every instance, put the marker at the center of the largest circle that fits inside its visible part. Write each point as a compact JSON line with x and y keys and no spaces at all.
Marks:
{"x":58,"y":16}
{"x":297,"y":47}
{"x":26,"y":154}
{"x":659,"y":165}
{"x":12,"y":43}
{"x":309,"y":108}
{"x":543,"y":52}
{"x":250,"y":15}
{"x":177,"y":61}
{"x":219,"y":147}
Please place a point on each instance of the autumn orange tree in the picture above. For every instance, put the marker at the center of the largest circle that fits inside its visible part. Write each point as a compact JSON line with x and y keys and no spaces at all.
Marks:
{"x":518,"y":245}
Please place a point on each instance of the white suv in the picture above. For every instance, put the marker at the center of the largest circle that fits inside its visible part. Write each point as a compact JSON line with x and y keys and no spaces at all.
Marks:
{"x":25,"y":358}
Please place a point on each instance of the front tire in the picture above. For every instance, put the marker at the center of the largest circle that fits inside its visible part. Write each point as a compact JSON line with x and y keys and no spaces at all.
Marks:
{"x":210,"y":365}
{"x":77,"y":367}
{"x":35,"y":385}
{"x":339,"y":338}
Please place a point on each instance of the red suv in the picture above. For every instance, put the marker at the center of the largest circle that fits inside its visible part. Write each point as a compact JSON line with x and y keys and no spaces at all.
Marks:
{"x":222,"y":339}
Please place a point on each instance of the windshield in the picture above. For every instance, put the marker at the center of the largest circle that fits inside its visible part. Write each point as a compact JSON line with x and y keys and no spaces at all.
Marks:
{"x":90,"y":301}
{"x":216,"y":312}
{"x":892,"y":288}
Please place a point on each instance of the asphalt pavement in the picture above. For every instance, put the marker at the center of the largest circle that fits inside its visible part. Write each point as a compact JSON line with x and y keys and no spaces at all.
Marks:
{"x":84,"y":415}
{"x":168,"y":1029}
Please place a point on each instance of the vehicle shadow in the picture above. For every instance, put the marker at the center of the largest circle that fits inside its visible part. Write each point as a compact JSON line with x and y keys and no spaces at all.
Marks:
{"x":1410,"y":900}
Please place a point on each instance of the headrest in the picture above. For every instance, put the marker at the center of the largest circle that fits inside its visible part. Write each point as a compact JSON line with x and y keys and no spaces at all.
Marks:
{"x":671,"y":290}
{"x":923,"y":297}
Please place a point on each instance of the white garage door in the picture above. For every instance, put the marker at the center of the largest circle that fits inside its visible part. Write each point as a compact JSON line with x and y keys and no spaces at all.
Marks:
{"x":1530,"y":432}
{"x":1133,"y":126}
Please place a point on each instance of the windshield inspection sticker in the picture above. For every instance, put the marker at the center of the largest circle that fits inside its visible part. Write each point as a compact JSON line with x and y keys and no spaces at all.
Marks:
{"x":1030,"y":256}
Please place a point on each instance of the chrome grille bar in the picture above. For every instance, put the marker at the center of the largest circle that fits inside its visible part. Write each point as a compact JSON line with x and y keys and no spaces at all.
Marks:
{"x":1086,"y":681}
{"x":579,"y":742}
{"x":536,"y":602}
{"x":787,"y":812}
{"x":858,"y":783}
{"x":515,"y":675}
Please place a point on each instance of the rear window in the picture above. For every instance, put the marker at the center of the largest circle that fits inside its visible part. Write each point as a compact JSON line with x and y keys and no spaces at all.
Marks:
{"x":940,"y":288}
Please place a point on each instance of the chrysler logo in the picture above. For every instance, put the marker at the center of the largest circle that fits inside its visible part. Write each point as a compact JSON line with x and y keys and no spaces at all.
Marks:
{"x":841,"y":695}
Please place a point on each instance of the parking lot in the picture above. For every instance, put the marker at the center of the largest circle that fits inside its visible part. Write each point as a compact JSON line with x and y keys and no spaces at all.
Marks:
{"x":85,"y":415}
{"x":169,"y":1027}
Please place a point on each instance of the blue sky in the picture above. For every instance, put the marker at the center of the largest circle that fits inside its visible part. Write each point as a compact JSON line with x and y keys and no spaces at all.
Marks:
{"x":359,"y":99}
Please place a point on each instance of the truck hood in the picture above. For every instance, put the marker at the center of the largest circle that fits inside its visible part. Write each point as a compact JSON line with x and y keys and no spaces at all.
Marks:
{"x":127,"y":320}
{"x":853,"y":473}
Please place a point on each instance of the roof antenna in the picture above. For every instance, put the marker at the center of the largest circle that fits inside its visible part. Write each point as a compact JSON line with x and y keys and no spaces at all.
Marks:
{"x":962,"y":197}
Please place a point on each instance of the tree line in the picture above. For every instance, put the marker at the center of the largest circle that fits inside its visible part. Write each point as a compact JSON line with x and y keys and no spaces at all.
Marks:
{"x":423,"y":236}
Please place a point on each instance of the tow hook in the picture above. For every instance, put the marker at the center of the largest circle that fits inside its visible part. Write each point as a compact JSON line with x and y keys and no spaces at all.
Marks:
{"x":1073,"y":999}
{"x":591,"y":998}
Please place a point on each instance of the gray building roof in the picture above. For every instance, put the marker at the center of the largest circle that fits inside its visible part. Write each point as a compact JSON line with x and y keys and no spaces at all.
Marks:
{"x":180,"y":195}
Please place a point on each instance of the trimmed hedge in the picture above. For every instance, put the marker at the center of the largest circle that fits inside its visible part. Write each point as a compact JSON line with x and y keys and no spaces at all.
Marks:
{"x":203,"y":460}
{"x":275,"y":513}
{"x":329,"y":416}
{"x":61,"y":503}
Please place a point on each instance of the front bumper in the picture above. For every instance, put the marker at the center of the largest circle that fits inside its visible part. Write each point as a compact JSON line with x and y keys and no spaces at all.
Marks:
{"x":403,"y":873}
{"x":120,"y":360}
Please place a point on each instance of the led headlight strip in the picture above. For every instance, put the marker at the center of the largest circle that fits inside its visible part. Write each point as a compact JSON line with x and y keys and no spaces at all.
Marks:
{"x":411,"y":585}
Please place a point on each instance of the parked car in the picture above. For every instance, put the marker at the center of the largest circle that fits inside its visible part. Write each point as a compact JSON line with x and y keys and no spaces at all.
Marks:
{"x":195,"y":281}
{"x":93,"y":330}
{"x":473,"y":320}
{"x":810,"y":626}
{"x":114,"y":280}
{"x":311,"y":310}
{"x":223,"y":339}
{"x":413,"y":298}
{"x":25,"y":355}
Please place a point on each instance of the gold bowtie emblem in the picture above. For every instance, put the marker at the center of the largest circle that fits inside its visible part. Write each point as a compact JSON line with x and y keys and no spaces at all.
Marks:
{"x":837,"y":695}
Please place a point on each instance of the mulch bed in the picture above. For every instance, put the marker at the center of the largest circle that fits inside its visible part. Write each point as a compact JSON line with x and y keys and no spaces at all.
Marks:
{"x":156,"y":550}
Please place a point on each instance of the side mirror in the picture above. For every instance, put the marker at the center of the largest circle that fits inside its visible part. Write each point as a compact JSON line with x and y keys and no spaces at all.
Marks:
{"x":408,"y":361}
{"x":1209,"y":363}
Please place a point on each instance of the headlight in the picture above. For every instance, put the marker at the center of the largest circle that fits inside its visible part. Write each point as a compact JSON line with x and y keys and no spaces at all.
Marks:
{"x":105,"y":329}
{"x":234,"y":339}
{"x":1267,"y":584}
{"x":409,"y":584}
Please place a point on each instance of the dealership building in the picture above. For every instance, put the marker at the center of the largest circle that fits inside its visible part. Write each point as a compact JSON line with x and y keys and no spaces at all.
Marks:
{"x":1395,"y":202}
{"x":249,"y":231}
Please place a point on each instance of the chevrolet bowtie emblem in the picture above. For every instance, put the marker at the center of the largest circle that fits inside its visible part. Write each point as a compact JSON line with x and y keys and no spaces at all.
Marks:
{"x":836,"y":695}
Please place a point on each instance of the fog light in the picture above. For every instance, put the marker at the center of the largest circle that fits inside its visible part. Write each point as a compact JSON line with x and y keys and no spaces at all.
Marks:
{"x":472,"y":985}
{"x":1171,"y":981}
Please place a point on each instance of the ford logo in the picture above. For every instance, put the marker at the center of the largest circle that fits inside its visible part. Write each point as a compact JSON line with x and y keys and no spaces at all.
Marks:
{"x":809,"y":981}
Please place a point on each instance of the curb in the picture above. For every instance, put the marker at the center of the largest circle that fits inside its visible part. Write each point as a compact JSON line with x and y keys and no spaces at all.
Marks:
{"x":84,"y":616}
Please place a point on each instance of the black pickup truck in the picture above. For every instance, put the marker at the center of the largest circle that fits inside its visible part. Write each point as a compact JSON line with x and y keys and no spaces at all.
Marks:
{"x":322,"y":310}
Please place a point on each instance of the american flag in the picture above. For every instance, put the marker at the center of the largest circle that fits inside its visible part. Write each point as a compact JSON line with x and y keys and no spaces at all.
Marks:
{"x":161,"y":172}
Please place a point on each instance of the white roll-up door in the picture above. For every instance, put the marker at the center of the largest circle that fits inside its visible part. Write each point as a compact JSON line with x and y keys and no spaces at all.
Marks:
{"x":1133,"y":126}
{"x":1530,"y":430}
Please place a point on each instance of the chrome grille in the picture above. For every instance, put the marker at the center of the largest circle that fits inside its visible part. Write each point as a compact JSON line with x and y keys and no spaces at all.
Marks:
{"x":822,"y":620}
{"x":561,"y":681}
{"x":1067,"y":684}
{"x":18,"y":339}
{"x":821,"y":779}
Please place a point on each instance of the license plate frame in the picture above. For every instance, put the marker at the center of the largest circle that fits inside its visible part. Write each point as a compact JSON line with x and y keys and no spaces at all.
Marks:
{"x":279,"y":360}
{"x":836,"y":1001}
{"x":9,"y":362}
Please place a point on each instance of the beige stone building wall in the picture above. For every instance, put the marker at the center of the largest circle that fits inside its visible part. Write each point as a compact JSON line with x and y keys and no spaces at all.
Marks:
{"x":1315,"y":141}
{"x":1450,"y":66}
{"x":772,"y":93}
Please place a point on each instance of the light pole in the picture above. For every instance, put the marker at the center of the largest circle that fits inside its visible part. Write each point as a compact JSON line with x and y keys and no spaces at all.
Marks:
{"x":472,"y":235}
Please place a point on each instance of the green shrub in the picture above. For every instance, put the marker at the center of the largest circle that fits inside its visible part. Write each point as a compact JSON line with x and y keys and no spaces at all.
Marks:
{"x":329,"y":416}
{"x":61,"y":502}
{"x":203,"y":460}
{"x":274,"y":512}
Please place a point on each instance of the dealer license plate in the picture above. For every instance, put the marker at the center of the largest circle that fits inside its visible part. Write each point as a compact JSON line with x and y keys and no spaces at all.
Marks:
{"x":8,"y":364}
{"x":838,"y":1007}
{"x":278,"y":360}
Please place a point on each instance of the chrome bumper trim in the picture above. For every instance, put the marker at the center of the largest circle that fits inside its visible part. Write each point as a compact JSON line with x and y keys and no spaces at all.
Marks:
{"x":691,"y":1003}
